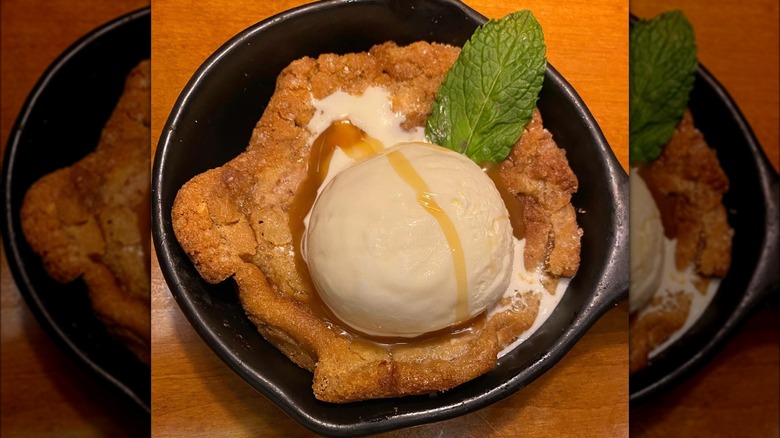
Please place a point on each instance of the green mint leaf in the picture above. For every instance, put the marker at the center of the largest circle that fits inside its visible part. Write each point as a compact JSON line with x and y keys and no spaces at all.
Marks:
{"x":489,"y":94}
{"x":662,"y":68}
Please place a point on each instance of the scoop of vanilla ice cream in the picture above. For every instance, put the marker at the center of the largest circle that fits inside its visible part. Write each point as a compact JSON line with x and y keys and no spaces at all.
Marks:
{"x":647,"y":244}
{"x":381,"y":261}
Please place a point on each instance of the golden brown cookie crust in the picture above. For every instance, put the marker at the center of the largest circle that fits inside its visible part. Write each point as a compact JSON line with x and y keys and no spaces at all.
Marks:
{"x":688,"y":175}
{"x":233,"y":221}
{"x":91,"y":219}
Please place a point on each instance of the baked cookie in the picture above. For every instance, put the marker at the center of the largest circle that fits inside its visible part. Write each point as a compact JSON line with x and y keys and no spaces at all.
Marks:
{"x":92,"y":219}
{"x":234,"y":222}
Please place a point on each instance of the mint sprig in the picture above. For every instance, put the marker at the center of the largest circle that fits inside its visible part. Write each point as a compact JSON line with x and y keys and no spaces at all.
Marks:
{"x":662,"y":68}
{"x":489,"y":94}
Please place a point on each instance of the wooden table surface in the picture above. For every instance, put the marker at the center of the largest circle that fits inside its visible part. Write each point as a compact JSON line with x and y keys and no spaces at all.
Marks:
{"x":194,"y":392}
{"x":44,"y":392}
{"x":736,"y":394}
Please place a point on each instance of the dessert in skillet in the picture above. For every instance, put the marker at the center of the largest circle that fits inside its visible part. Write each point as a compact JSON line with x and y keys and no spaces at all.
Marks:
{"x":680,"y":236}
{"x":383,"y":233}
{"x":91,"y":219}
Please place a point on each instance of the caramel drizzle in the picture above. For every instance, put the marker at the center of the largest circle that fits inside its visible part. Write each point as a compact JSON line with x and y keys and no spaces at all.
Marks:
{"x":355,"y":144}
{"x":406,"y":171}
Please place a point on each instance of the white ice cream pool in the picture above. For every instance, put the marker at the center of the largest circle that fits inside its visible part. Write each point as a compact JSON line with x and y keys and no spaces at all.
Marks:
{"x":675,"y":281}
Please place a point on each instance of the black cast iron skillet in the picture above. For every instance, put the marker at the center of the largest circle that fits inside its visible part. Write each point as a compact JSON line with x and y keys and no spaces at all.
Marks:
{"x":211,"y":123}
{"x":58,"y":125}
{"x":752,"y":203}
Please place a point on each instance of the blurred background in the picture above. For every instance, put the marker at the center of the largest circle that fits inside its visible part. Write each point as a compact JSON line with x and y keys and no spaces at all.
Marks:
{"x":45,"y":392}
{"x":736,"y":394}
